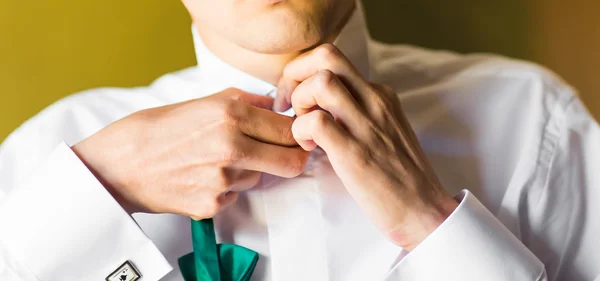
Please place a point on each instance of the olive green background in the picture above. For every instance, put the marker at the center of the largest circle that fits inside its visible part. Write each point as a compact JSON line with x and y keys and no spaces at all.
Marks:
{"x":50,"y":49}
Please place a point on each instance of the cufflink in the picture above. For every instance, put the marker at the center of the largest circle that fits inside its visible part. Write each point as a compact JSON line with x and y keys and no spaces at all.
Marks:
{"x":125,"y":272}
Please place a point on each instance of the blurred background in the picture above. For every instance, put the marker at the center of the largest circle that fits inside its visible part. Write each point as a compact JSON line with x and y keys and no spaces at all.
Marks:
{"x":50,"y":49}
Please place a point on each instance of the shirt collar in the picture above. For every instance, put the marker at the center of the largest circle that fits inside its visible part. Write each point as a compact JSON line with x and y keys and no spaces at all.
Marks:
{"x":352,"y":42}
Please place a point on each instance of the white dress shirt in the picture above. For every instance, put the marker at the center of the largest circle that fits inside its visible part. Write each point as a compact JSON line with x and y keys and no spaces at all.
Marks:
{"x":509,"y":138}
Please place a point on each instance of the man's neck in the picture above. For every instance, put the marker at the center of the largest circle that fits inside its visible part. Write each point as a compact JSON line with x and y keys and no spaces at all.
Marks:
{"x":268,"y":67}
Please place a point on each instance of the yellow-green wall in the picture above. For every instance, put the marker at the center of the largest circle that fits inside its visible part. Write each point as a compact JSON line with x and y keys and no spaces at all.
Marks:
{"x":49,"y":49}
{"x":562,"y":35}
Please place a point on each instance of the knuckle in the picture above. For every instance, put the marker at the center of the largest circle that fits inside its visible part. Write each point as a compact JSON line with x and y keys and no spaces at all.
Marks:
{"x":377,"y":86}
{"x":197,"y":217}
{"x":288,"y":136}
{"x":232,"y":93}
{"x":321,"y":119}
{"x":387,"y":89}
{"x":223,"y":180}
{"x":230,"y":106}
{"x":383,"y":89}
{"x":232,"y":152}
{"x":207,"y":207}
{"x":382,"y":99}
{"x":380,"y":102}
{"x":295,"y":172}
{"x":229,"y":112}
{"x":212,"y":207}
{"x":297,"y":167}
{"x":325,"y":79}
{"x":328,"y":54}
{"x":231,"y":149}
{"x":327,"y":51}
{"x":235,"y":97}
{"x":288,"y":70}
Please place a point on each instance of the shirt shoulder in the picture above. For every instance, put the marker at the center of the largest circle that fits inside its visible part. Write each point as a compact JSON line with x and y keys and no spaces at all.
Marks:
{"x":78,"y":116}
{"x":473,"y":82}
{"x":421,"y":67}
{"x":62,"y":118}
{"x":98,"y":107}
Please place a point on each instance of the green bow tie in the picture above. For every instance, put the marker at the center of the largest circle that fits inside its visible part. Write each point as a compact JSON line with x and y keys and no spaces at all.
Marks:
{"x":212,"y":262}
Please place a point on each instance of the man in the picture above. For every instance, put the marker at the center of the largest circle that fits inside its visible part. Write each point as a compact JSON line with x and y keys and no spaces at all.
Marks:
{"x":364,"y":204}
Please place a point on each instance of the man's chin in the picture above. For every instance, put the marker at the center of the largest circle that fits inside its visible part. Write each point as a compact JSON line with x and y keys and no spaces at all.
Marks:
{"x":281,"y":38}
{"x":279,"y":46}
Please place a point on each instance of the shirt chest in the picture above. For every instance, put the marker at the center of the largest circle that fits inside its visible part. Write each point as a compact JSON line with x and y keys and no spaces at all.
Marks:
{"x":306,"y":228}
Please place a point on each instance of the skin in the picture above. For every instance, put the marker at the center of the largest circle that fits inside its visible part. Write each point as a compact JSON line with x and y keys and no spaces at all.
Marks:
{"x":193,"y":158}
{"x":369,"y":142}
{"x":234,"y":30}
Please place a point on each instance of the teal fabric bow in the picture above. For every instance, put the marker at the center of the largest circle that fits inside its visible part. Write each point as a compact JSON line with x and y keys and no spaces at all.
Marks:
{"x":212,"y":262}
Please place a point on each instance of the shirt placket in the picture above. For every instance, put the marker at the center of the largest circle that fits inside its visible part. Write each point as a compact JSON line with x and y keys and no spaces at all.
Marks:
{"x":294,"y":218}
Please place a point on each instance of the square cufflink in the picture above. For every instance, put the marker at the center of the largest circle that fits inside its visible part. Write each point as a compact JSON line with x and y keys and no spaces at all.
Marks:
{"x":125,"y":272}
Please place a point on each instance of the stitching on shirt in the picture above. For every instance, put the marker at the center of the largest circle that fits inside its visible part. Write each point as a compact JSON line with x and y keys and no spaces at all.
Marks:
{"x":556,"y":138}
{"x":544,"y":179}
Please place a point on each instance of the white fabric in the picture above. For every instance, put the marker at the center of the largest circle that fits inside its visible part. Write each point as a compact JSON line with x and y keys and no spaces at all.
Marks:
{"x":510,"y":132}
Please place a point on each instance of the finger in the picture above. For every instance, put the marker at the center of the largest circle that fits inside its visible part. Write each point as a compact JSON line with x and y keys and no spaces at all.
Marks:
{"x":208,"y":205}
{"x":243,"y":179}
{"x":267,"y":126}
{"x":272,"y":159}
{"x":227,"y":199}
{"x":255,"y":100}
{"x":327,"y":57}
{"x":324,"y":90}
{"x":282,"y":100}
{"x":318,"y":126}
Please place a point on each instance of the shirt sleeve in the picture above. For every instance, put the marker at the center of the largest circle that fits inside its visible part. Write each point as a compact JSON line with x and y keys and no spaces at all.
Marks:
{"x":62,"y":224}
{"x":470,"y":245}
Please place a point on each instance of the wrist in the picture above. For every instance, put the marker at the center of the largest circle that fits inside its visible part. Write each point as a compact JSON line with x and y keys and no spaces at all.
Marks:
{"x":421,"y":222}
{"x":96,"y":164}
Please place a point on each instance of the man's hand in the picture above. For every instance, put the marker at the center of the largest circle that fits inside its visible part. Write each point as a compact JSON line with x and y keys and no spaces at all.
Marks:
{"x":370,"y":144}
{"x":192,"y":158}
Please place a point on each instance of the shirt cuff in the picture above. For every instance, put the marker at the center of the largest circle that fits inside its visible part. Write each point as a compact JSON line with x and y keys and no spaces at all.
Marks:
{"x":62,"y":224}
{"x":470,"y":245}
